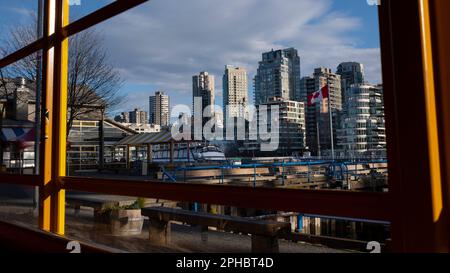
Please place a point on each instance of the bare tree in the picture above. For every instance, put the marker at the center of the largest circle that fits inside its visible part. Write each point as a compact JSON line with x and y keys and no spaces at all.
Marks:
{"x":4,"y":95}
{"x":93,"y":83}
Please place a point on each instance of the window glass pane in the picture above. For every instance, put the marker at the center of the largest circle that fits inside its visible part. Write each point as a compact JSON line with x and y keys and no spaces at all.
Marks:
{"x":272,"y":76}
{"x":19,"y":21}
{"x":18,"y":204}
{"x":131,"y":224}
{"x":81,"y":8}
{"x":20,"y":93}
{"x":128,"y":100}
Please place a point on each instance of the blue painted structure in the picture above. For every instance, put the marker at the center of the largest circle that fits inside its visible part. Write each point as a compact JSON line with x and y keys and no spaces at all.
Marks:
{"x":336,"y":169}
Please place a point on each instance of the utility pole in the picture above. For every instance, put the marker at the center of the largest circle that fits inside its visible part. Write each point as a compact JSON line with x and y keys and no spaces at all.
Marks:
{"x":37,"y":129}
{"x":102,"y":139}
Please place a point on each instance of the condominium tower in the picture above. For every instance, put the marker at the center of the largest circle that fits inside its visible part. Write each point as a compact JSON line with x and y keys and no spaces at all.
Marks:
{"x":159,"y":109}
{"x":291,"y":132}
{"x":139,"y":117}
{"x":318,"y":132}
{"x":351,"y":73}
{"x":235,"y":91}
{"x":203,"y":88}
{"x":278,"y":76}
{"x":363,"y":131}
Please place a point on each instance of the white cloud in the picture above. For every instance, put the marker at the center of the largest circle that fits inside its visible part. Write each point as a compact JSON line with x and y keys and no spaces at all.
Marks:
{"x":164,"y":42}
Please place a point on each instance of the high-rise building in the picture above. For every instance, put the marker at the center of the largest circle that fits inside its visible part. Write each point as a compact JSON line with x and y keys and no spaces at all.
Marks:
{"x":139,"y":117}
{"x":351,"y":73}
{"x":203,"y":87}
{"x":235,"y":91}
{"x":124,"y":117}
{"x":363,"y":131}
{"x":278,"y":76}
{"x":291,"y":132}
{"x":318,"y":132}
{"x":159,"y":109}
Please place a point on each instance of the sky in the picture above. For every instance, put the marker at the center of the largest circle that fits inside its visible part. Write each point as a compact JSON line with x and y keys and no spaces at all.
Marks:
{"x":161,"y":44}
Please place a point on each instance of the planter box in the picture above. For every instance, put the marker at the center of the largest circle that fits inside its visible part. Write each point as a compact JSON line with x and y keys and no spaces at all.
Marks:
{"x":126,"y":222}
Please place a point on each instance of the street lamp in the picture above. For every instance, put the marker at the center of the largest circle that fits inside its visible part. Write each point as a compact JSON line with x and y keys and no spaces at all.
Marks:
{"x":37,"y":131}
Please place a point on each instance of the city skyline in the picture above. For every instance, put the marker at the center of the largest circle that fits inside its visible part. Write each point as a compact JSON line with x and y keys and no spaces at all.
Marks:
{"x":230,"y":32}
{"x":295,"y":96}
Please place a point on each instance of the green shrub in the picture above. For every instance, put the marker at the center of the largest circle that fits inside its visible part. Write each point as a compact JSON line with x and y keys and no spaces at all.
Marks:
{"x":138,"y":204}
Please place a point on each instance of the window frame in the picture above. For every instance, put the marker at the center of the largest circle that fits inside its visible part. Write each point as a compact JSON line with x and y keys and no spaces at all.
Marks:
{"x":413,"y":204}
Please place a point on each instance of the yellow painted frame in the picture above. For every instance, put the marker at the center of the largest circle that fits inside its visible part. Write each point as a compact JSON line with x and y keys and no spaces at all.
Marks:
{"x":55,"y":65}
{"x":432,"y":124}
{"x":54,"y":45}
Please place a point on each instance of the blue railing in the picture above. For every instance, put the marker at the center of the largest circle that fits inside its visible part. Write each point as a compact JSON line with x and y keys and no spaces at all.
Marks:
{"x":171,"y":177}
{"x":330,"y":172}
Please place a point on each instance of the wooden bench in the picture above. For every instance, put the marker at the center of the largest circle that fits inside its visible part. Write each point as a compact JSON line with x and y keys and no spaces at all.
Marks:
{"x":264,"y":233}
{"x":97,"y":201}
{"x":100,"y":202}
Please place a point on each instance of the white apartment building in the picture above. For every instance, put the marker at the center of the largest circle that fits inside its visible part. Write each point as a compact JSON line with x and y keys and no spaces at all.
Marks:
{"x":363,"y":131}
{"x":159,"y":109}
{"x":292,"y":124}
{"x":143,"y":128}
{"x":235,"y":91}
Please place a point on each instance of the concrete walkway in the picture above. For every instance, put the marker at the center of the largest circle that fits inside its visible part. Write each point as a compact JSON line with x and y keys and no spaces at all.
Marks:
{"x":184,"y":238}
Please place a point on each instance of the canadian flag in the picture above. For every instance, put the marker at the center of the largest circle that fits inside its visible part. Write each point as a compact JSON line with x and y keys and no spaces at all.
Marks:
{"x":318,"y":96}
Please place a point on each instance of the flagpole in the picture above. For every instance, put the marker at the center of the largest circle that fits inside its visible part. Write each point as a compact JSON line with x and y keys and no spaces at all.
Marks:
{"x":318,"y":136}
{"x":331,"y":119}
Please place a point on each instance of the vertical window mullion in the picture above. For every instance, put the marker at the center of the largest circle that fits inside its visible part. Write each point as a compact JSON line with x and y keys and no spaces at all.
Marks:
{"x":52,"y":197}
{"x":59,"y":118}
{"x":46,"y":124}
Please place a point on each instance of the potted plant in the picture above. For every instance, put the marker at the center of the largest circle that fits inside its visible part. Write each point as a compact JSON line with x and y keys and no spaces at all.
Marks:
{"x":125,"y":220}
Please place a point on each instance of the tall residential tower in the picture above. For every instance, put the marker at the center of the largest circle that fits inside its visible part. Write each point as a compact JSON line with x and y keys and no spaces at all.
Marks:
{"x":139,"y":117}
{"x":351,"y":73}
{"x":203,"y":87}
{"x":235,"y":91}
{"x":159,"y":109}
{"x":278,"y":76}
{"x":318,"y":132}
{"x":363,"y":130}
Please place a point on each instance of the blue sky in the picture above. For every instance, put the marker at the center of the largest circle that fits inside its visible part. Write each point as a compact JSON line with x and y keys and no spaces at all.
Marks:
{"x":161,"y":44}
{"x":369,"y":31}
